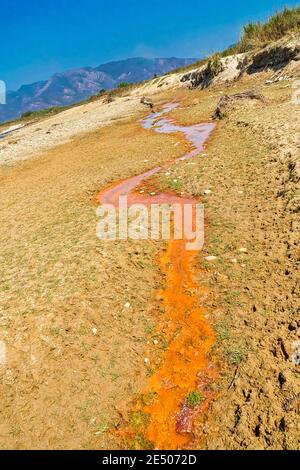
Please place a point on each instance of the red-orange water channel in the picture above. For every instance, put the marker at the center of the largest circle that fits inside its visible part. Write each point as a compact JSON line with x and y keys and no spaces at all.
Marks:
{"x":185,"y":366}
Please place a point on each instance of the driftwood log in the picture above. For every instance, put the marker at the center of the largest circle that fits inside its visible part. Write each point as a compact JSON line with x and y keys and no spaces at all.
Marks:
{"x":147,"y":102}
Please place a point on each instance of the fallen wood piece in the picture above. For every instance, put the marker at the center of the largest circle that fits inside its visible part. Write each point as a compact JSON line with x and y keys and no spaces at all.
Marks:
{"x":226,"y":100}
{"x":147,"y":102}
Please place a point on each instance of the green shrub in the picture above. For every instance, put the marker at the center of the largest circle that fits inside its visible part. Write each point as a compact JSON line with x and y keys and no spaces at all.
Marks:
{"x":260,"y":34}
{"x":123,"y":85}
{"x":43,"y":112}
{"x":214,"y":65}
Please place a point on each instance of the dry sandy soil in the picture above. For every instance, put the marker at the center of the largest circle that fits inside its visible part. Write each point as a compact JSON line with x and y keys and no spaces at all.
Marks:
{"x":252,"y":169}
{"x":75,"y":351}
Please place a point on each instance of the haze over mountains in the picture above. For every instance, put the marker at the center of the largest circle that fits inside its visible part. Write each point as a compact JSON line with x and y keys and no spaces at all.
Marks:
{"x":70,"y":87}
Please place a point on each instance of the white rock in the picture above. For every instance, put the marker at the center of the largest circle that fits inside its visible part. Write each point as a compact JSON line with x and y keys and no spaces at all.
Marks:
{"x":243,"y":250}
{"x":95,"y":331}
{"x":147,"y":361}
{"x":3,"y":359}
{"x":127,"y":305}
{"x":234,"y":261}
{"x":207,"y":191}
{"x":211,"y":258}
{"x":152,"y":194}
{"x":155,"y":342}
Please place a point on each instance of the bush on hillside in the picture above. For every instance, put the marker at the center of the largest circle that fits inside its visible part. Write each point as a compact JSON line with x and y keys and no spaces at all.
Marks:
{"x":260,"y":34}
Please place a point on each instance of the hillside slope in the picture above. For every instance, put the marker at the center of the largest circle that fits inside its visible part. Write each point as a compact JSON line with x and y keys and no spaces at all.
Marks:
{"x":70,"y":87}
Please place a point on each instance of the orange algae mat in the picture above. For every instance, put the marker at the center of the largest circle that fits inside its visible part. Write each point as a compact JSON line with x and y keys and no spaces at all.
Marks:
{"x":185,"y":365}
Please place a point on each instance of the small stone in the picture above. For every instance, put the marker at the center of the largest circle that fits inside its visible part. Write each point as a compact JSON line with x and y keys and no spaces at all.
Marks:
{"x":282,"y":379}
{"x":210,"y":258}
{"x":146,"y":161}
{"x":234,"y":261}
{"x":3,"y":359}
{"x":293,"y":326}
{"x":142,"y":192}
{"x":155,"y":342}
{"x":95,"y":331}
{"x":152,"y":194}
{"x":127,"y":305}
{"x":243,"y":250}
{"x":240,"y":192}
{"x":147,"y":361}
{"x":207,"y":191}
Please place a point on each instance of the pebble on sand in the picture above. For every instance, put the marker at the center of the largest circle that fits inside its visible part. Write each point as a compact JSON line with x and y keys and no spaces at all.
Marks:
{"x":210,"y":258}
{"x":3,"y":359}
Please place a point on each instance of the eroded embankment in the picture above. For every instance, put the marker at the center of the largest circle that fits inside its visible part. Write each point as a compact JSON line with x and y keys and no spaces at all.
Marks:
{"x":185,"y":369}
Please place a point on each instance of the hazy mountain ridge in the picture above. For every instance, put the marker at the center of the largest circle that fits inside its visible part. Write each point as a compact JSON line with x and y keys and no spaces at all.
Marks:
{"x":70,"y":87}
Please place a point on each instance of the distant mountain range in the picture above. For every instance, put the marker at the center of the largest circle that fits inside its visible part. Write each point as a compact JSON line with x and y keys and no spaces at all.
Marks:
{"x":70,"y":87}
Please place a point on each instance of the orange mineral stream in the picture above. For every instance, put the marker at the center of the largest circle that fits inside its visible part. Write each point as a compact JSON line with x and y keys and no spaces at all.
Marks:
{"x":185,"y":366}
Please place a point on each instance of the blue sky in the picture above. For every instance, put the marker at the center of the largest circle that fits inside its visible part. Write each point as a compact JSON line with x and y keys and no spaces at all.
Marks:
{"x":41,"y":37}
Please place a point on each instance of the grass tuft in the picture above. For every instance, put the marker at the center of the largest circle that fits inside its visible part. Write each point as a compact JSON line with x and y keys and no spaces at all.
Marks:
{"x":195,"y":399}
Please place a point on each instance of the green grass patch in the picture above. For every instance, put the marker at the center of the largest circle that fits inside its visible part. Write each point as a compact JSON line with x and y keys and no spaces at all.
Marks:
{"x":222,"y":332}
{"x":138,"y":420}
{"x":235,"y":355}
{"x":195,"y":399}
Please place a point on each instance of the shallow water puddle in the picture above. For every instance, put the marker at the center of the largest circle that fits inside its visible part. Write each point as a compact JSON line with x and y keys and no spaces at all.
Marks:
{"x":185,"y":367}
{"x":10,"y":130}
